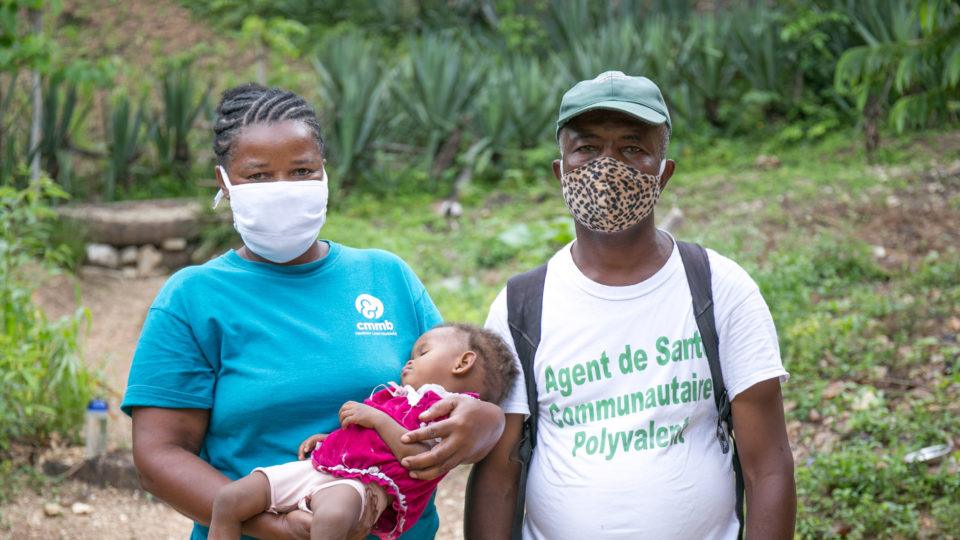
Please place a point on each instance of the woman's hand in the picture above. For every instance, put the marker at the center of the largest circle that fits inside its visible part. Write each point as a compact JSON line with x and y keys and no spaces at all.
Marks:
{"x":467,"y":436}
{"x":308,"y":446}
{"x":353,"y":413}
{"x":295,"y":524}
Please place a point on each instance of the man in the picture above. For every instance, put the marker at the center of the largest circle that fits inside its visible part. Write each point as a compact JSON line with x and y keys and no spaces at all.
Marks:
{"x":627,"y":443}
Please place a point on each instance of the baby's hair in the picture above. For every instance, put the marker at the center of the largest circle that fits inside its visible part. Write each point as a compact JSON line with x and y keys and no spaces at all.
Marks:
{"x":494,"y":357}
{"x":250,"y":104}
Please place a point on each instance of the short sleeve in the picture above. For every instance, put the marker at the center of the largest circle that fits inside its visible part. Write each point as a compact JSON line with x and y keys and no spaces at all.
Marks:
{"x":749,"y":349}
{"x":169,"y":369}
{"x":427,"y":312}
{"x":516,"y":400}
{"x":428,"y":315}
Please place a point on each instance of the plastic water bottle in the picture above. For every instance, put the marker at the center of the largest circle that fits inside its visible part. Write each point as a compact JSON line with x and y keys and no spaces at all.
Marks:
{"x":95,"y":429}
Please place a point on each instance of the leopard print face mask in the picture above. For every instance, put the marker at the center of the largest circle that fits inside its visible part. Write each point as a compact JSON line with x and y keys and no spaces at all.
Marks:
{"x":607,"y":195}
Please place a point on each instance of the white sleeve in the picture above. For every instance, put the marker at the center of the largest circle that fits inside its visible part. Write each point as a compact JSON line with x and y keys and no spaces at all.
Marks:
{"x":516,"y":400}
{"x":749,"y":350}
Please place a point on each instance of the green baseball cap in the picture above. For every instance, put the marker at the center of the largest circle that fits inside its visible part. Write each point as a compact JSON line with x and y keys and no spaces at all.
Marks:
{"x":612,"y":90}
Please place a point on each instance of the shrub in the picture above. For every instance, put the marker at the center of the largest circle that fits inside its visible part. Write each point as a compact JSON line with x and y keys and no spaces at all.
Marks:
{"x":45,"y":384}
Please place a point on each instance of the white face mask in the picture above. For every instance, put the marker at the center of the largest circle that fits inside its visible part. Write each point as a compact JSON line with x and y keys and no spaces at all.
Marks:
{"x":278,"y":221}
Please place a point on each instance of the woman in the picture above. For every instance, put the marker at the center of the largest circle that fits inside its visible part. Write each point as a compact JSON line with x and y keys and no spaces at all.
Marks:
{"x":243,"y":357}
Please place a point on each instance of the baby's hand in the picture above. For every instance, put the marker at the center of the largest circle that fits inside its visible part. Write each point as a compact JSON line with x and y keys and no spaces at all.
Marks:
{"x":307,"y":446}
{"x":358,"y":414}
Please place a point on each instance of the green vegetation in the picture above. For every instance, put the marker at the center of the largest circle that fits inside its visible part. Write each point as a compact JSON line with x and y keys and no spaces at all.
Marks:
{"x":447,"y":91}
{"x":45,"y":385}
{"x":423,"y":99}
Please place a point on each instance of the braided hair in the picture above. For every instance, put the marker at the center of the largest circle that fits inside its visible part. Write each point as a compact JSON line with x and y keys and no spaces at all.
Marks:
{"x":251,"y":103}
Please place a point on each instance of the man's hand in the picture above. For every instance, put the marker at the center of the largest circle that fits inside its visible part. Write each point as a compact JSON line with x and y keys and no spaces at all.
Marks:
{"x":358,"y":414}
{"x":467,"y":436}
{"x":309,"y":445}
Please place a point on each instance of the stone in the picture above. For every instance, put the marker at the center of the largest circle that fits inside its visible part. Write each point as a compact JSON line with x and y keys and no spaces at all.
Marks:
{"x":766,"y":162}
{"x":833,"y":390}
{"x":81,"y":509}
{"x":879,"y":252}
{"x":148,"y":259}
{"x":129,"y":272}
{"x":52,"y":509}
{"x":173,"y":260}
{"x":449,"y":208}
{"x":103,"y":255}
{"x":174,"y":244}
{"x":128,"y":255}
{"x":135,"y":223}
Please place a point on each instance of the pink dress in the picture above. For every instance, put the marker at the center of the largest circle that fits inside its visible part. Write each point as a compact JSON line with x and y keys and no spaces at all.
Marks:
{"x":360,"y":453}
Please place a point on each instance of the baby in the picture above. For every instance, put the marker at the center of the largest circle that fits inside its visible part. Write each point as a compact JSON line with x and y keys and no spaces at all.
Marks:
{"x":356,"y":469}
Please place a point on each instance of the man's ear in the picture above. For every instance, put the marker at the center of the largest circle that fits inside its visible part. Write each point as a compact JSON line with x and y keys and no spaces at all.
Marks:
{"x":556,"y":169}
{"x":668,"y":170}
{"x":465,"y":363}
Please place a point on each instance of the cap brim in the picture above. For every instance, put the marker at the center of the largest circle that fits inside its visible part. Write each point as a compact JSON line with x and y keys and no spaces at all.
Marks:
{"x":640,"y":112}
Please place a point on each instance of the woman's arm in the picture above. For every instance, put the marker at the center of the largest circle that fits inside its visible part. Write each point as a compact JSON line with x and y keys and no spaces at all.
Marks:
{"x":360,"y":414}
{"x":166,"y":444}
{"x":467,"y":436}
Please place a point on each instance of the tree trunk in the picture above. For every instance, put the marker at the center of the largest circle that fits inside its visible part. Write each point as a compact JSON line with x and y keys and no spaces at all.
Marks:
{"x":36,"y":21}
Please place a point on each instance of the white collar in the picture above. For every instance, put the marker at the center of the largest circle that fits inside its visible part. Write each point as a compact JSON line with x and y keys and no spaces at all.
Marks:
{"x":414,"y":395}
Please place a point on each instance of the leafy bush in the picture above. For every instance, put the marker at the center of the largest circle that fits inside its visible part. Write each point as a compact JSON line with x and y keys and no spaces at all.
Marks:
{"x":126,"y":129}
{"x":45,"y":384}
{"x":172,"y":126}
{"x":353,"y":84}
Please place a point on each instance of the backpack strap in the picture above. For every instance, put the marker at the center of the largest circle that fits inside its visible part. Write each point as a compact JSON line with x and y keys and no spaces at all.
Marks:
{"x":524,"y":310}
{"x":696,"y":264}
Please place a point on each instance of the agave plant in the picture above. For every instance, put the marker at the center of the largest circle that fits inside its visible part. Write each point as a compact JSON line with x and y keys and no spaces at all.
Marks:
{"x":704,"y":65}
{"x":60,"y":119}
{"x":616,"y":46}
{"x":353,"y":86}
{"x":762,"y":59}
{"x":438,"y":90}
{"x":125,"y":129}
{"x":8,"y":142}
{"x":182,"y":104}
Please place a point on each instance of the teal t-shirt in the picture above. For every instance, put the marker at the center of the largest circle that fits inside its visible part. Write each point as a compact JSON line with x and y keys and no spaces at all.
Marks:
{"x":274,"y":351}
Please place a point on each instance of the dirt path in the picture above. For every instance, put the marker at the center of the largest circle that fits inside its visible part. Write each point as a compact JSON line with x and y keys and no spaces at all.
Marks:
{"x":118,"y":307}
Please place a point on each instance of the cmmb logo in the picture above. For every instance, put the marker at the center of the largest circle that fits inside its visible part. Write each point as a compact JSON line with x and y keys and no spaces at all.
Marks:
{"x":371,"y":308}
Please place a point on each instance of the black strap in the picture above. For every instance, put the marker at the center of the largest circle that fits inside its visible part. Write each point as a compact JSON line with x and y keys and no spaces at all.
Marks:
{"x":696,"y":264}
{"x":524,"y":310}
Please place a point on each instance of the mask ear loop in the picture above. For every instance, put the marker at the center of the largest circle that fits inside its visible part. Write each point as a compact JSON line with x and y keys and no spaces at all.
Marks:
{"x":226,"y":180}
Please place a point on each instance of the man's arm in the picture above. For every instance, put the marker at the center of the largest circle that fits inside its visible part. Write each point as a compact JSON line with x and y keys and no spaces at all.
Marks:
{"x":492,"y":488}
{"x":166,"y":444}
{"x":767,"y":462}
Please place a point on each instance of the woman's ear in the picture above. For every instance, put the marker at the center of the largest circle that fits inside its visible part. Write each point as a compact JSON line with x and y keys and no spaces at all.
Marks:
{"x":219,"y":171}
{"x":465,"y":363}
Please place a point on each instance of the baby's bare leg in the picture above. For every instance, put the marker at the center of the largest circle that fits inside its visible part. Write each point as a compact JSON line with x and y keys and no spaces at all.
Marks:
{"x":336,"y":510}
{"x":237,"y":502}
{"x":376,"y":501}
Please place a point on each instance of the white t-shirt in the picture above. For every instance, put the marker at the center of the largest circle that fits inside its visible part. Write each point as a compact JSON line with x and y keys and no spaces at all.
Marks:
{"x":627,"y":444}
